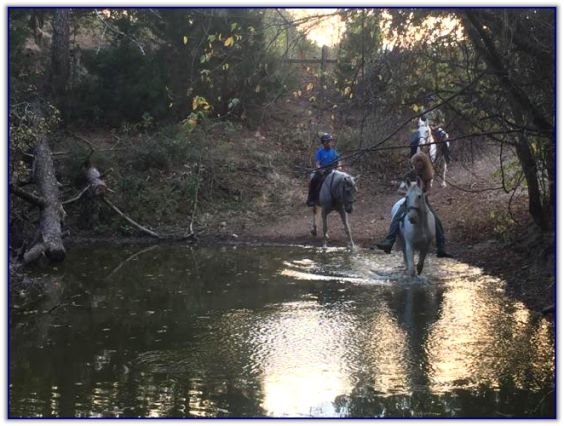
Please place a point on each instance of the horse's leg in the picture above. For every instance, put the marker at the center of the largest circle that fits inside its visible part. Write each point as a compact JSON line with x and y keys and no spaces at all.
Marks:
{"x":433,"y":153}
{"x":410,"y":258}
{"x":345,"y":220}
{"x":313,"y":223}
{"x":443,"y":175}
{"x":324,"y":213}
{"x":422,"y":256}
{"x":402,"y":245}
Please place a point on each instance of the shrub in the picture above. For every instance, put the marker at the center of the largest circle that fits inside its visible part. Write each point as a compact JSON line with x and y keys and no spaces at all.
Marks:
{"x":121,"y":85}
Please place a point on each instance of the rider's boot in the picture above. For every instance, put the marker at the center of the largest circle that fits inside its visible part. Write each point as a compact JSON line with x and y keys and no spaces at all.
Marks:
{"x":441,"y":252}
{"x":310,"y":198}
{"x":441,"y":242}
{"x":386,"y":245}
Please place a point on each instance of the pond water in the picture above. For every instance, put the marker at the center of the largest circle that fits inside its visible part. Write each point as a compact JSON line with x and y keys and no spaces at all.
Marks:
{"x":239,"y":331}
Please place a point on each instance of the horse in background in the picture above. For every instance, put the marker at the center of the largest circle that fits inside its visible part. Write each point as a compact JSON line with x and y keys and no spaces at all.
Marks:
{"x":337,"y":193}
{"x":417,"y":227}
{"x":442,"y":157}
{"x":435,"y":143}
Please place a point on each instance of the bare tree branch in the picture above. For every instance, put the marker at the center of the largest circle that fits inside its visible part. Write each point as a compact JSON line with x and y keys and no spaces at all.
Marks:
{"x":27,"y":196}
{"x":117,"y":31}
{"x":127,"y":218}
{"x":77,"y":197}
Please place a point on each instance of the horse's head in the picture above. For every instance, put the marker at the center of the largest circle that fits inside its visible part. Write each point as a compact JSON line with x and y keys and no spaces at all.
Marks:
{"x":415,"y":200}
{"x":426,"y":140}
{"x":349,"y":192}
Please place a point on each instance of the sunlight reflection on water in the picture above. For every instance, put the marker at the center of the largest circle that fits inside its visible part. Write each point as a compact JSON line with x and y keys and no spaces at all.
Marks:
{"x":280,"y":332}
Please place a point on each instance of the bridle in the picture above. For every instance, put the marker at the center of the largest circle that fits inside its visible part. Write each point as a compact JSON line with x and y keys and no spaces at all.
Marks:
{"x":414,"y":208}
{"x":408,"y":207}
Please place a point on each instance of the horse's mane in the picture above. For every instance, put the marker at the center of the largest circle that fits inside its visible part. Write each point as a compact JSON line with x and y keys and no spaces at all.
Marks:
{"x":427,"y":172}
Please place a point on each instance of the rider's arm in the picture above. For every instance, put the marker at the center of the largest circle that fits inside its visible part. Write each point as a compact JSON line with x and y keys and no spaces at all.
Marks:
{"x":338,"y":159}
{"x":317,"y":160}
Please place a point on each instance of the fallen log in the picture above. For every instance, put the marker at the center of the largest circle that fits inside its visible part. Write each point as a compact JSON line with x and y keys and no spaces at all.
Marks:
{"x":49,"y":240}
{"x":94,"y":178}
{"x":97,"y":188}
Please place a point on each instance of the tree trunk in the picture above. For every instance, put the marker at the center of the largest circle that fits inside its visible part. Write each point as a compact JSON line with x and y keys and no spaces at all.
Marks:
{"x":523,"y":110}
{"x":49,"y":240}
{"x":60,"y":56}
{"x":531,"y":172}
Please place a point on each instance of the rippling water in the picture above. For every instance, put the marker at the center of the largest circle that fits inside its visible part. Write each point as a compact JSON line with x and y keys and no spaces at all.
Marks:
{"x":275,"y":332}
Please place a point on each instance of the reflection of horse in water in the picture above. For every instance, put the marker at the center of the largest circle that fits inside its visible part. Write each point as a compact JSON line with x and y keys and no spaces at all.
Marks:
{"x":417,"y":227}
{"x":337,"y":193}
{"x":434,"y":141}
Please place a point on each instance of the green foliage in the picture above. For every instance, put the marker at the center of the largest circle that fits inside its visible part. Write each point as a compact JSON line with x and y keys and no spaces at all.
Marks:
{"x":503,"y":225}
{"x":27,"y":125}
{"x":122,"y":85}
{"x":512,"y":174}
{"x":216,"y":54}
{"x":26,"y":66}
{"x":159,"y":177}
{"x":143,"y":66}
{"x":361,"y":45}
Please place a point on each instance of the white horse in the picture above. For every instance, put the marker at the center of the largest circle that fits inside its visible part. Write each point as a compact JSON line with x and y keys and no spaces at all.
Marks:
{"x":433,"y":147}
{"x":417,"y":227}
{"x":337,"y":193}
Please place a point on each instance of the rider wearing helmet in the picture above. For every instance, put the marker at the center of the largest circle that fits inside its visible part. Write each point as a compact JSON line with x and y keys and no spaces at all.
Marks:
{"x":326,"y":159}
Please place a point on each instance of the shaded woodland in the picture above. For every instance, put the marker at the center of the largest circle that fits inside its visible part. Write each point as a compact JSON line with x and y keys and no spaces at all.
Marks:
{"x":166,"y":123}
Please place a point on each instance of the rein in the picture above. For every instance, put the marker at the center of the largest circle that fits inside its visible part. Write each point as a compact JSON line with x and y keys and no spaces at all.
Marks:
{"x":408,"y":207}
{"x":417,"y":209}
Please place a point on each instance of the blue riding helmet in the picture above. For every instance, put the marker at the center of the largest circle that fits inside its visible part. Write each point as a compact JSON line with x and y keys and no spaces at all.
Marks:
{"x":326,"y":137}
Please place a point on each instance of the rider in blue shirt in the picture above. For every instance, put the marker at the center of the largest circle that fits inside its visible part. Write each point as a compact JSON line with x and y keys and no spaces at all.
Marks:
{"x":326,"y":159}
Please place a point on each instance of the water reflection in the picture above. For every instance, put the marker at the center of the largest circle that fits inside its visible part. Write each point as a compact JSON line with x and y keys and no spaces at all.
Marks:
{"x":278,"y":332}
